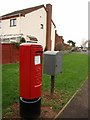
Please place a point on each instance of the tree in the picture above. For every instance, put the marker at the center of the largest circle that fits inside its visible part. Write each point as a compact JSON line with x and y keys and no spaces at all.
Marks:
{"x":71,"y":42}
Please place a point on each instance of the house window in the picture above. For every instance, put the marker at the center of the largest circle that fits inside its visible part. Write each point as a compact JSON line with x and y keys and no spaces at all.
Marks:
{"x":0,"y":24}
{"x":12,"y":22}
{"x":42,"y":26}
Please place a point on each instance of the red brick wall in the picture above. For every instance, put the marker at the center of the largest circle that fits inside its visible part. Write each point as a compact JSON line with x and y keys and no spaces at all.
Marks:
{"x":59,"y":42}
{"x":10,"y":54}
{"x":59,"y":39}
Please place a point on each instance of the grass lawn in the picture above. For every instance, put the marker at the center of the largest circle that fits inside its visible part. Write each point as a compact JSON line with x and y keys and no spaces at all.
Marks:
{"x":75,"y":71}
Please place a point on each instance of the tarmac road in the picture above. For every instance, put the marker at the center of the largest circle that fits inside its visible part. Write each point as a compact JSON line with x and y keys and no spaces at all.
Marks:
{"x":78,"y":107}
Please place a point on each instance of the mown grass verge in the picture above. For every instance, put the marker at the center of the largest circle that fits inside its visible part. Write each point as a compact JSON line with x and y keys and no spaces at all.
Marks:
{"x":74,"y":73}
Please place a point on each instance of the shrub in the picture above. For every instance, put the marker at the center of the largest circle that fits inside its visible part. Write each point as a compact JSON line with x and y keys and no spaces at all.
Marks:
{"x":22,"y":40}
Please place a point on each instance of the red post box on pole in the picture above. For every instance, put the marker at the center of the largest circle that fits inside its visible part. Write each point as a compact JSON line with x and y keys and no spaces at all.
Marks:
{"x":30,"y":80}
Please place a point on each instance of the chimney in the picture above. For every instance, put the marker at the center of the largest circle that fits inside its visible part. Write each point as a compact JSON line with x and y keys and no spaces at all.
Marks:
{"x":48,"y":29}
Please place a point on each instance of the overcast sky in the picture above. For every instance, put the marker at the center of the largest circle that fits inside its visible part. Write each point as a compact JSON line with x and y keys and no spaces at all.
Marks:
{"x":70,"y":16}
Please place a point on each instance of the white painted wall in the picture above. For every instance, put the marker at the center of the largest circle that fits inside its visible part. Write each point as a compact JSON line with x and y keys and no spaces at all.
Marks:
{"x":52,"y":36}
{"x":0,"y":27}
{"x":6,"y":29}
{"x":31,"y":25}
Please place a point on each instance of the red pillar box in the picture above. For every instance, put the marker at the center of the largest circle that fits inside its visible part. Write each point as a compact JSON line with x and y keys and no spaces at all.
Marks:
{"x":30,"y":80}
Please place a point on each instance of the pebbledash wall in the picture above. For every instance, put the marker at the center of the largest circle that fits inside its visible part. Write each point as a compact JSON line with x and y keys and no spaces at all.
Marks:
{"x":10,"y":53}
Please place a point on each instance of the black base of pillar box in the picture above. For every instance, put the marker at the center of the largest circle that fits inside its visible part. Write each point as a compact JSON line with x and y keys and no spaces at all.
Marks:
{"x":30,"y":108}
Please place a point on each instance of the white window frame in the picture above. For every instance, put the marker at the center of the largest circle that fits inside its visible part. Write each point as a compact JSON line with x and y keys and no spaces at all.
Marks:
{"x":12,"y":22}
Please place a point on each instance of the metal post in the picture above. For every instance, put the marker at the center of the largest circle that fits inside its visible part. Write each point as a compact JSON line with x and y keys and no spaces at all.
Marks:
{"x":52,"y":86}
